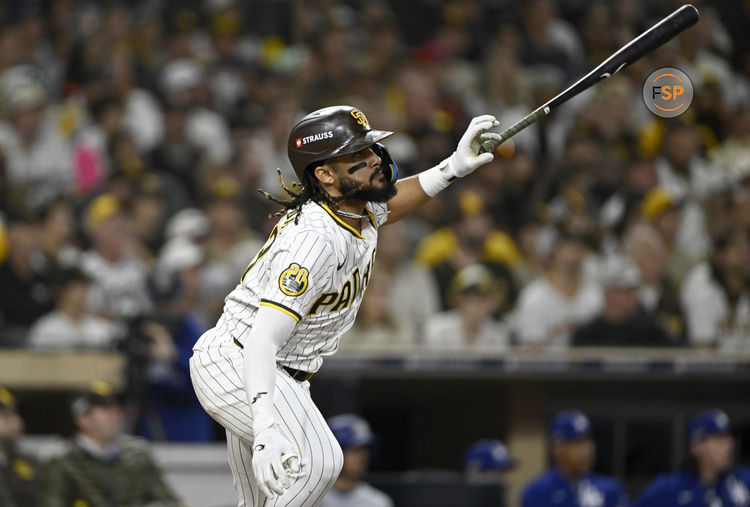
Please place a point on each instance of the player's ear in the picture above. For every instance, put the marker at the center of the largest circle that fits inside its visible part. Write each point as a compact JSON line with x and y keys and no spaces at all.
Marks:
{"x":325,"y":174}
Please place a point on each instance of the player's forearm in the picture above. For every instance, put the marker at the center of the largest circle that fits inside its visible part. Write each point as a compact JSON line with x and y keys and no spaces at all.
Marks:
{"x":417,"y":190}
{"x":260,"y":378}
{"x":271,"y":328}
{"x":410,"y":196}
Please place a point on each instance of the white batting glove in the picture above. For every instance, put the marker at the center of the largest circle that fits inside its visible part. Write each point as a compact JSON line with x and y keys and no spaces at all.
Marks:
{"x":465,"y":160}
{"x":275,"y":461}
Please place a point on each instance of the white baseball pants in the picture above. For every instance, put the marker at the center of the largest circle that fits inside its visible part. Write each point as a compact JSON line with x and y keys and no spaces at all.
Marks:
{"x":217,"y":375}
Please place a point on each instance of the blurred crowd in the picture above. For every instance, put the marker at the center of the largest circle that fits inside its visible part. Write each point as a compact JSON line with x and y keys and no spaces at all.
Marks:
{"x":134,"y":138}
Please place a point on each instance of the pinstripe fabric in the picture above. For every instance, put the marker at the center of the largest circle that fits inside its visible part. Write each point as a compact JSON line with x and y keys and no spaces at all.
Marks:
{"x":217,"y":379}
{"x":334,"y":257}
{"x":316,"y":271}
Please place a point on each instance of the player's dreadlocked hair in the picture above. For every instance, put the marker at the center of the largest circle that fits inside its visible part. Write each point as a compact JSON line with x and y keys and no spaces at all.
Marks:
{"x":300,"y":193}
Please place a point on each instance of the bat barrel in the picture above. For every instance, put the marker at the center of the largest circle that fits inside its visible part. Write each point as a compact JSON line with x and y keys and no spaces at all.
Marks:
{"x":681,"y":19}
{"x":684,"y":17}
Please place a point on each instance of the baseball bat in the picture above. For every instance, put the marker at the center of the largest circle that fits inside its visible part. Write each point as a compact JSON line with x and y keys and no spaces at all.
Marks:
{"x":684,"y":17}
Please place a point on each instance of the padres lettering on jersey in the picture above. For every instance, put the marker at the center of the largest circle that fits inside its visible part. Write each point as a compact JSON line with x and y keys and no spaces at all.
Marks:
{"x":316,"y":271}
{"x":351,"y":290}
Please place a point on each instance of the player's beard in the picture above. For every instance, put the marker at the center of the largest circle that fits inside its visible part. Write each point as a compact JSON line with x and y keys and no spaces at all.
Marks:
{"x":369,"y":192}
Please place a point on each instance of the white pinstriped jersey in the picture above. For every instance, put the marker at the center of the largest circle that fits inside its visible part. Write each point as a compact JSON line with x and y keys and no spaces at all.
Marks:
{"x":315,"y":271}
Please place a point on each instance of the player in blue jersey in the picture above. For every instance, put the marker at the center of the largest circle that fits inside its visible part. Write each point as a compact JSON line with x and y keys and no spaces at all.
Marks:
{"x":570,"y":481}
{"x":710,"y":477}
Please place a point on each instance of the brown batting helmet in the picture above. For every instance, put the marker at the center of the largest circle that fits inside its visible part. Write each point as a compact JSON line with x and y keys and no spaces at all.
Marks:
{"x":330,"y":132}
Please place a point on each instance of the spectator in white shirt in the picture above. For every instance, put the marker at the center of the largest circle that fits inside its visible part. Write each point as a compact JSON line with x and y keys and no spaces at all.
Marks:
{"x":551,"y":306}
{"x":70,"y":326}
{"x":471,"y":324}
{"x":377,"y":324}
{"x":686,"y":175}
{"x":412,"y":293}
{"x":118,"y":275}
{"x":142,"y":114}
{"x":183,"y":82}
{"x":716,"y":295}
{"x":38,"y":159}
{"x":664,"y":212}
{"x":659,"y":293}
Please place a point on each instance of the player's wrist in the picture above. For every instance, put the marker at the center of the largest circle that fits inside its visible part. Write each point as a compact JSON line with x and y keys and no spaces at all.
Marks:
{"x":435,"y":179}
{"x":262,"y":422}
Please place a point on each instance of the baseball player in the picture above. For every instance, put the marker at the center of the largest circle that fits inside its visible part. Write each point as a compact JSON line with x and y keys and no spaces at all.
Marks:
{"x":570,"y":482}
{"x":301,"y":293}
{"x":710,"y":478}
{"x":488,"y":461}
{"x":354,"y":436}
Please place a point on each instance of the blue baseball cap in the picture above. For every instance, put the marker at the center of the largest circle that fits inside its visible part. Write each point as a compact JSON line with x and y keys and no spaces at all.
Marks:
{"x":487,"y":455}
{"x":350,"y":430}
{"x":569,"y":425}
{"x":706,"y":424}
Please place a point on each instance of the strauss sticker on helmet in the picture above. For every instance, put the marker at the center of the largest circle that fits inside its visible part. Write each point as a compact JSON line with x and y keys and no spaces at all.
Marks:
{"x":315,"y":137}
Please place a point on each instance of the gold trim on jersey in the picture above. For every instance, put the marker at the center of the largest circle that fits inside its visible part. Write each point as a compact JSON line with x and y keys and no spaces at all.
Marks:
{"x":280,"y":225}
{"x":341,"y":222}
{"x":371,"y":217}
{"x":296,"y":316}
{"x":263,"y":251}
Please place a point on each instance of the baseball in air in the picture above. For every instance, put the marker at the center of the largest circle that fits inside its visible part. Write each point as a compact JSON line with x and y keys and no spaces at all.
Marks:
{"x":506,"y":149}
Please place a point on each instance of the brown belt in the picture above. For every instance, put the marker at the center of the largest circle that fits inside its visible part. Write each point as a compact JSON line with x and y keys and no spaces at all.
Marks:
{"x":298,"y":375}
